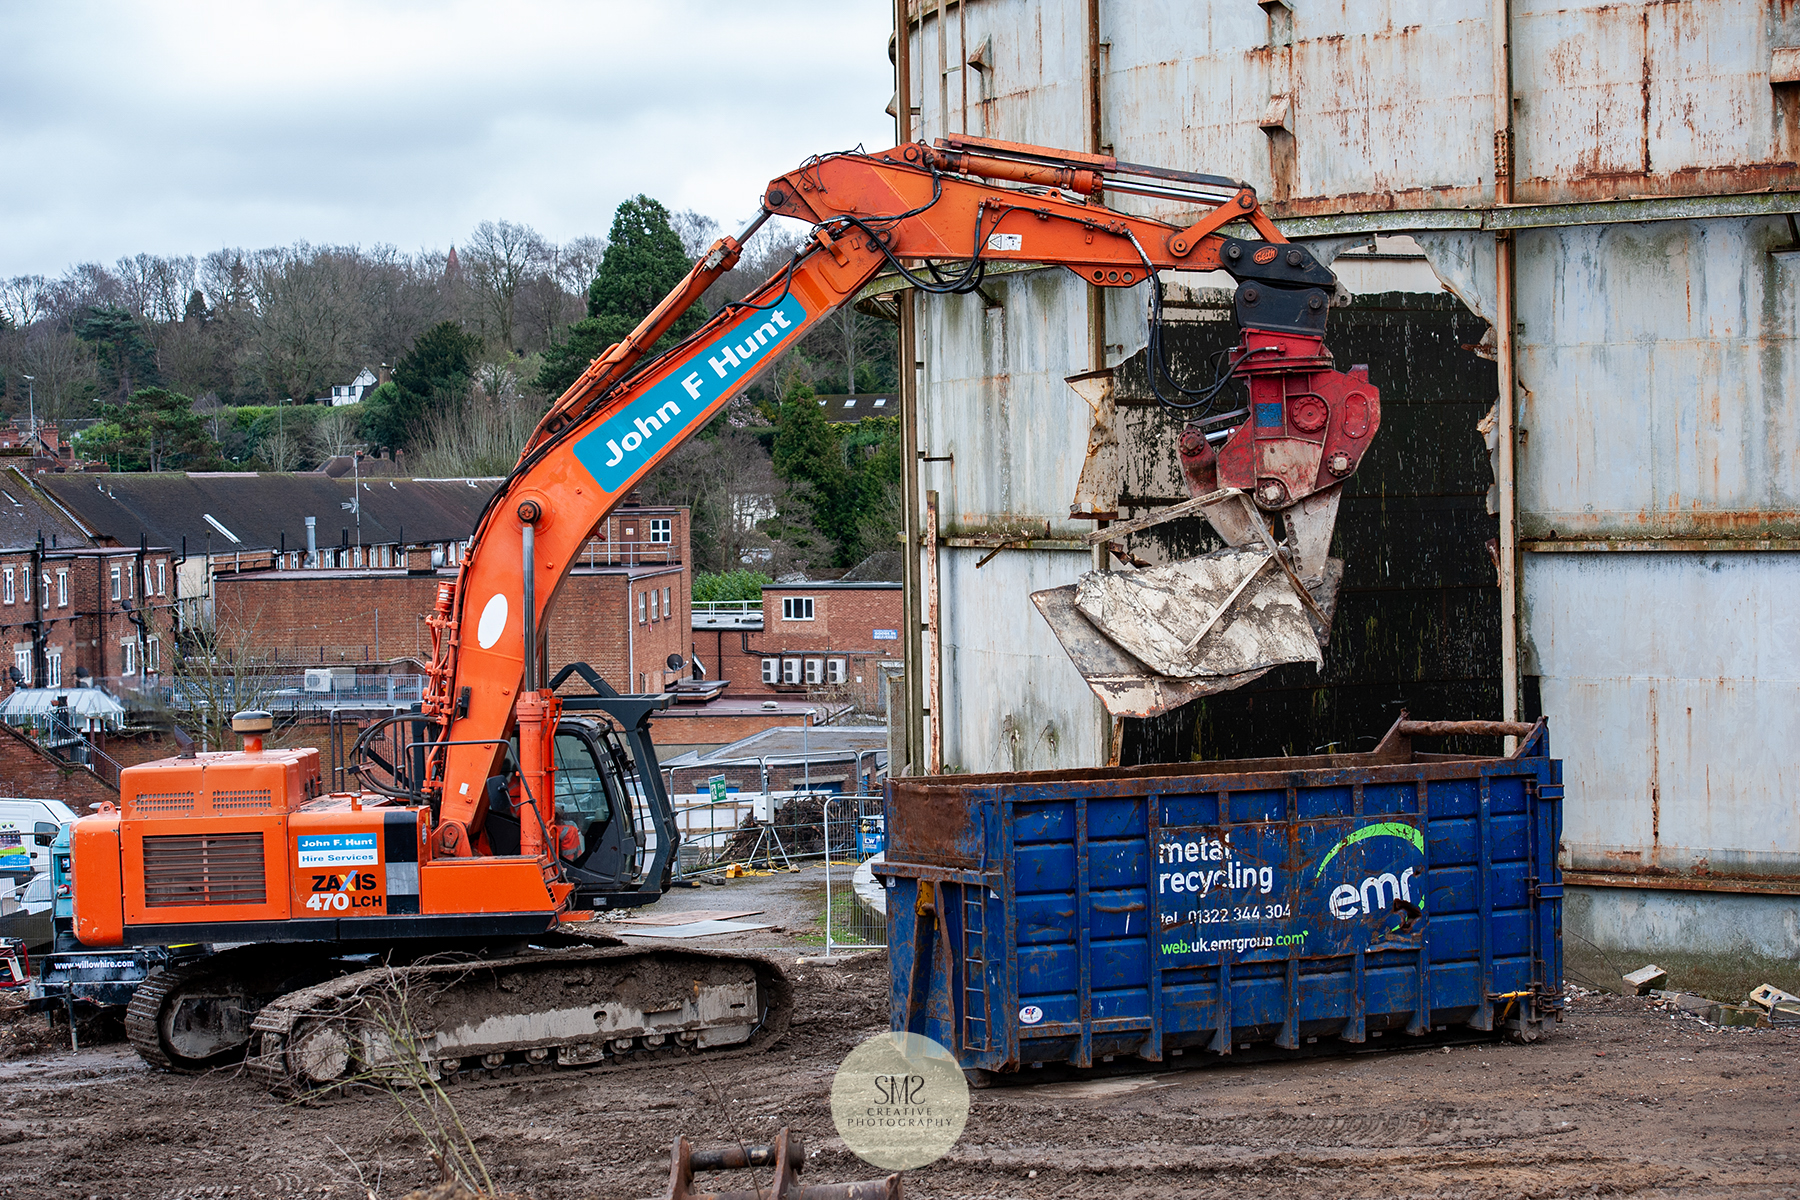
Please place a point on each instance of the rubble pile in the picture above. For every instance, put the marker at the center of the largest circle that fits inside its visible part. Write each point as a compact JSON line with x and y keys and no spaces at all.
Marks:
{"x":799,"y":823}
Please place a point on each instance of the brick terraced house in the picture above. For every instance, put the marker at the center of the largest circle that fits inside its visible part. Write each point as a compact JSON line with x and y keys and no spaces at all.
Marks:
{"x":72,"y":609}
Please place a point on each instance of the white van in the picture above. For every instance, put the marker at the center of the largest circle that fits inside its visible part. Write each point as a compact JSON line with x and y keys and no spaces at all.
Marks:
{"x":23,"y":819}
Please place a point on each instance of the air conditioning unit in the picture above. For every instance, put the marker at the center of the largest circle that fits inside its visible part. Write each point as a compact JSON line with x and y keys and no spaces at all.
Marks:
{"x":318,"y":679}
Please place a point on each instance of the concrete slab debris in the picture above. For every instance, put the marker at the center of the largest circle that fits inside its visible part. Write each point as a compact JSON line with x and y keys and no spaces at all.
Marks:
{"x":690,"y":916}
{"x":1217,"y":615}
{"x":1647,"y":979}
{"x":694,"y":929}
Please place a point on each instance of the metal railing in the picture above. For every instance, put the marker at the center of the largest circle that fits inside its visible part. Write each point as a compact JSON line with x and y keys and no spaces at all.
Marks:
{"x":598,"y":553}
{"x":865,"y":929}
{"x":277,"y":693}
{"x":727,"y":608}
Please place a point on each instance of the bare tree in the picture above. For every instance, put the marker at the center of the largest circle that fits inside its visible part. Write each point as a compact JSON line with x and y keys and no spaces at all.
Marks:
{"x":24,"y":299}
{"x":502,"y":257}
{"x":66,"y":369}
{"x":312,"y":317}
{"x":334,"y":433}
{"x":578,"y":262}
{"x":221,"y":668}
{"x":697,"y":231}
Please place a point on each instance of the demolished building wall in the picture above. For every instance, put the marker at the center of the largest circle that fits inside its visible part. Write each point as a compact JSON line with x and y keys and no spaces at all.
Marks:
{"x":1614,"y":189}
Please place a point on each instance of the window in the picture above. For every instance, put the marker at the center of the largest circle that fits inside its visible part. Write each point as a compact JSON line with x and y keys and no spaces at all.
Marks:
{"x":53,"y":668}
{"x":796,"y":608}
{"x":22,"y":664}
{"x":128,"y":657}
{"x":8,"y":575}
{"x":115,"y":581}
{"x":45,"y":581}
{"x":790,"y":670}
{"x":815,"y":670}
{"x":643,"y":607}
{"x":130,"y":583}
{"x":25,"y":585}
{"x":162,"y":575}
{"x":666,"y":608}
{"x":652,"y":595}
{"x":149,"y":581}
{"x":356,"y":557}
{"x":153,"y":655}
{"x":771,"y":670}
{"x":660,"y":530}
{"x":62,"y":587}
{"x":834,"y":670}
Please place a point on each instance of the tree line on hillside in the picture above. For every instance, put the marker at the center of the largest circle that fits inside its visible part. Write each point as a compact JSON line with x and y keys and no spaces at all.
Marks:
{"x":189,"y":363}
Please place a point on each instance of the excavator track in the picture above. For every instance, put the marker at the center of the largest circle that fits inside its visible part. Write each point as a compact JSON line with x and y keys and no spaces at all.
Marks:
{"x":588,"y":1008}
{"x":196,"y":1015}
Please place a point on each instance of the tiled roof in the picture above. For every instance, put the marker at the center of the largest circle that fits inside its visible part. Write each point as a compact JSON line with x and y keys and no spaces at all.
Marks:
{"x":249,"y":511}
{"x":25,"y":513}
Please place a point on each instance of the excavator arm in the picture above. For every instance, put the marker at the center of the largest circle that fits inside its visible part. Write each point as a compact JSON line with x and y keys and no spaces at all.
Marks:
{"x":938,"y":215}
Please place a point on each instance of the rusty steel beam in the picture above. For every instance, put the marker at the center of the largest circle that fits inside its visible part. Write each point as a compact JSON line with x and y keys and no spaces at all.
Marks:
{"x":1463,"y":728}
{"x":1545,"y":216}
{"x":1778,"y":886}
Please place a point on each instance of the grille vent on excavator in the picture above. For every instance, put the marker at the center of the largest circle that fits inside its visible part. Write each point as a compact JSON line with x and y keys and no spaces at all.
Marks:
{"x":161,"y":804}
{"x":249,"y":800}
{"x":207,"y":869}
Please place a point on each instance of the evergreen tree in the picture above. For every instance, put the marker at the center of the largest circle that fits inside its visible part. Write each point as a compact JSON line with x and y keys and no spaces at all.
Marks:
{"x":644,"y":262}
{"x":153,"y":429}
{"x":842,"y":475}
{"x":432,"y":375}
{"x":127,"y":361}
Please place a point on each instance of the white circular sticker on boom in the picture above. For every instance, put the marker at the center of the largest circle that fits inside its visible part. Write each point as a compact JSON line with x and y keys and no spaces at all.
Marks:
{"x":900,"y":1101}
{"x":493,"y":621}
{"x":1031,"y":1014}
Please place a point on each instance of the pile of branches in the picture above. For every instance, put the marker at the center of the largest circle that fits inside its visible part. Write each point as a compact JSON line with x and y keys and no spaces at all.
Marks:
{"x":799,"y":823}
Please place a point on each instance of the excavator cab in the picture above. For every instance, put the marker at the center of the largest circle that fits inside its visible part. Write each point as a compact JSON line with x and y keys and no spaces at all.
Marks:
{"x":602,"y":808}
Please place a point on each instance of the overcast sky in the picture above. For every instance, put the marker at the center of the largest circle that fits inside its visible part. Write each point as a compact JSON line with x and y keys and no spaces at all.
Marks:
{"x":178,"y":128}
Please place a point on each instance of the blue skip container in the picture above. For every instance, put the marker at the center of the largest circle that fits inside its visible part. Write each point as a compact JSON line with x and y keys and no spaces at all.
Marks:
{"x":1073,"y":916}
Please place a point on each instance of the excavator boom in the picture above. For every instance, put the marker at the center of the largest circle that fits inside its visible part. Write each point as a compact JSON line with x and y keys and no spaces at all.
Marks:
{"x":908,"y":205}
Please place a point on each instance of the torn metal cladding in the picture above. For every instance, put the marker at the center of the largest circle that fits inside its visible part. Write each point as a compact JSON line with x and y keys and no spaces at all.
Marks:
{"x":1203,"y":908}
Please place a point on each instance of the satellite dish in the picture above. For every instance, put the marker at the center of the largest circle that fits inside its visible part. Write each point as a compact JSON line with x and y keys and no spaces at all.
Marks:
{"x":675,"y":662}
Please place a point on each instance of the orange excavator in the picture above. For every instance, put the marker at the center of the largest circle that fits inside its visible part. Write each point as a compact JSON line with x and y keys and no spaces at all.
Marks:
{"x":502,"y":818}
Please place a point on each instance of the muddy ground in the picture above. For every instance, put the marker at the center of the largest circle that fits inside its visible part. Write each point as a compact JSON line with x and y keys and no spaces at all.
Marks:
{"x":1622,"y":1100}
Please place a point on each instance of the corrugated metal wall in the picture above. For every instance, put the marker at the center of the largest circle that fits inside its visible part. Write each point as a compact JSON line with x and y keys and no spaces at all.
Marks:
{"x":1646,"y":242}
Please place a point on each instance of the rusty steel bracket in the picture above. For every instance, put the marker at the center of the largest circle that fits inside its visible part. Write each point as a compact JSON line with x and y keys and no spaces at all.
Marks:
{"x":788,"y":1158}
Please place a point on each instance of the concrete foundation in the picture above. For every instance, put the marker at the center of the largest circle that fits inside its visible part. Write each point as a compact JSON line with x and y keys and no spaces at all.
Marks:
{"x":1704,"y":924}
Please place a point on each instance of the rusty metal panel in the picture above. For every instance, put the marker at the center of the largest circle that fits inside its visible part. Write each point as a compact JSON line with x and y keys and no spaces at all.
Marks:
{"x":1659,"y":365}
{"x":1012,"y":699}
{"x":1628,"y":99}
{"x":1673,"y":681}
{"x":1390,"y":106}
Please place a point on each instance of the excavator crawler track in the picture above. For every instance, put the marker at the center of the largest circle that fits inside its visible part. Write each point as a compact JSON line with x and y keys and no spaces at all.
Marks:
{"x":588,"y":1008}
{"x":196,"y":1015}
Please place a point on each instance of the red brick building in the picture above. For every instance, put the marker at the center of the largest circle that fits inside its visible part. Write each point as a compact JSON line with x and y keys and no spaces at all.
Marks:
{"x":71,"y":609}
{"x":623,"y":609}
{"x":824,"y":638}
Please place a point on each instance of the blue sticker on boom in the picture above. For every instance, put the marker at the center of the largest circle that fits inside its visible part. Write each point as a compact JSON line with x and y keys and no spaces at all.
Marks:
{"x":615,"y":451}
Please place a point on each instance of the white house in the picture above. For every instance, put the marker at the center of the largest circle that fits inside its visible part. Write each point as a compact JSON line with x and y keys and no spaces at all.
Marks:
{"x":352,"y":392}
